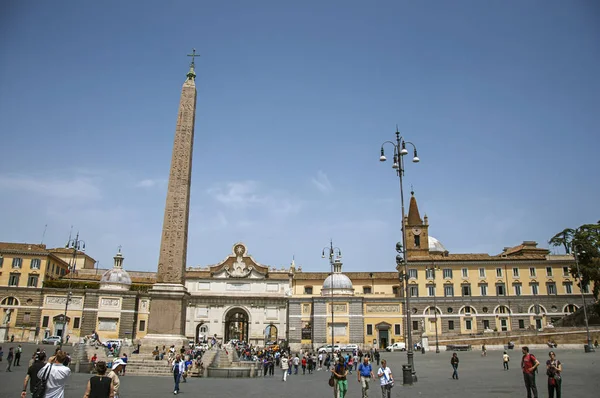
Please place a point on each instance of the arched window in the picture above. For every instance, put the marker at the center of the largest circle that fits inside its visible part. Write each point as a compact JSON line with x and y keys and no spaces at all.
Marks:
{"x":570,"y":308}
{"x":10,"y":301}
{"x":431,"y":311}
{"x":467,"y":310}
{"x":502,"y":309}
{"x":537,"y":309}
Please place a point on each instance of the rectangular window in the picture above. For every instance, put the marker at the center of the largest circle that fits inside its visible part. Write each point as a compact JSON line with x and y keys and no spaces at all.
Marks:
{"x":482,"y":272}
{"x":500,"y":290}
{"x":465,"y":272}
{"x":566,"y":271}
{"x":13,"y":280}
{"x":448,"y":290}
{"x":466,"y":290}
{"x":450,"y":325}
{"x":516,"y":272}
{"x":45,"y":321}
{"x":395,"y":290}
{"x":142,"y":327}
{"x":17,"y":262}
{"x":448,"y":273}
{"x":486,"y":324}
{"x":483,"y":289}
{"x":308,"y":290}
{"x":548,"y":271}
{"x":369,"y":330}
{"x":27,"y":317}
{"x":586,"y":288}
{"x":415,"y":325}
{"x":499,"y":272}
{"x":569,"y":288}
{"x":551,"y":288}
{"x":534,"y":289}
{"x":32,"y":281}
{"x":397,"y":329}
{"x":76,"y":322}
{"x":35,"y":263}
{"x":532,"y":271}
{"x":412,"y":273}
{"x":468,"y":324}
{"x":1,"y":261}
{"x":431,"y":290}
{"x":517,"y":287}
{"x":413,"y":291}
{"x":429,"y":273}
{"x":367,"y":290}
{"x":521,"y":324}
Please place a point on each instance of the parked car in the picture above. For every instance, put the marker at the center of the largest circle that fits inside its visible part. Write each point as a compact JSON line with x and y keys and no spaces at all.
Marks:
{"x":350,"y":347}
{"x":51,"y":340}
{"x":396,"y":347}
{"x":113,"y":342}
{"x":327,"y":348}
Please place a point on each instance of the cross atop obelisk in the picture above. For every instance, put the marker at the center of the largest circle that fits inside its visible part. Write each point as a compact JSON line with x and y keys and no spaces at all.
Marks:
{"x":166,"y":325}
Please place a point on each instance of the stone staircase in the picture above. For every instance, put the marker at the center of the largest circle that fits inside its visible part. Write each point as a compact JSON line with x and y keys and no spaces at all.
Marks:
{"x":222,"y":359}
{"x":146,"y":365}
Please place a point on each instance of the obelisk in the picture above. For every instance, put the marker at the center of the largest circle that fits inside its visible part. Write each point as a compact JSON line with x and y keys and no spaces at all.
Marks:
{"x":166,"y":323}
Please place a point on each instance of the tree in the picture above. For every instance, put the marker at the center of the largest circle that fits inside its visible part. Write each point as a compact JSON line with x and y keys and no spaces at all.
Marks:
{"x":563,"y":239}
{"x":584,"y":242}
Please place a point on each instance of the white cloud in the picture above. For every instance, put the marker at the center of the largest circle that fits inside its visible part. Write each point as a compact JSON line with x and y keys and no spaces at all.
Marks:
{"x":243,"y":195}
{"x":80,"y":188}
{"x":322,"y":182}
{"x":151,"y":183}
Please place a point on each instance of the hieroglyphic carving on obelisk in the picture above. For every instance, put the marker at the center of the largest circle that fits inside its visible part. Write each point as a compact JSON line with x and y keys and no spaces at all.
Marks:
{"x":173,"y":245}
{"x":166,"y":322}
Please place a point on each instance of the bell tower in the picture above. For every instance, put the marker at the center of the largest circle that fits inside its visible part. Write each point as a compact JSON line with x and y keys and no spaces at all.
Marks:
{"x":417,"y":231}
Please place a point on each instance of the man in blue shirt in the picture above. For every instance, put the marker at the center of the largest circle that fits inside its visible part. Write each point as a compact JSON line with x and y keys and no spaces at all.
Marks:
{"x":365,"y":373}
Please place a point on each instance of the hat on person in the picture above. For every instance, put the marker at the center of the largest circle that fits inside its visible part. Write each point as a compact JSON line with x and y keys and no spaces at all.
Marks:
{"x":116,"y":363}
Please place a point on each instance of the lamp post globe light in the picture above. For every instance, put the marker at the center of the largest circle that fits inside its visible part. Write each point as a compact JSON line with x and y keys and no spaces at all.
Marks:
{"x":77,"y":245}
{"x":400,"y":152}
{"x":333,"y":254}
{"x":576,"y":253}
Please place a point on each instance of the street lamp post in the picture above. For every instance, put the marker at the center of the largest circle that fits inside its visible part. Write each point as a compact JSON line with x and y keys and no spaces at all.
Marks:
{"x":433,"y":268}
{"x":77,"y":245}
{"x":587,"y":326}
{"x":399,"y":152}
{"x":333,"y":253}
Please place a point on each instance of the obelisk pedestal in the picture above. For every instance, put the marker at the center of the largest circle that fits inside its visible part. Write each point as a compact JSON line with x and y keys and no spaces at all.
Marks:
{"x":169,"y":296}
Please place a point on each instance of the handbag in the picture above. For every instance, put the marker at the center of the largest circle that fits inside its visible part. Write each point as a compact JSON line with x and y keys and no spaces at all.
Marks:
{"x":39,"y":390}
{"x":331,"y":381}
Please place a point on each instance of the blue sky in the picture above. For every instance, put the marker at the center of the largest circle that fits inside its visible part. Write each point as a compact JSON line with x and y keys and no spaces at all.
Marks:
{"x":294,"y":100}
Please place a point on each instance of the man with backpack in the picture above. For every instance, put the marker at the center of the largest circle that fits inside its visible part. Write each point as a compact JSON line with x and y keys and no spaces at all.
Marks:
{"x":529,"y":364}
{"x":55,"y":374}
{"x":32,"y":373}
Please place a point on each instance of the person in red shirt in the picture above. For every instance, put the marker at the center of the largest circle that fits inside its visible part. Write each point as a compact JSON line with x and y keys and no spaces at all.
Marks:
{"x":303,"y":365}
{"x":93,"y":361}
{"x":529,"y":365}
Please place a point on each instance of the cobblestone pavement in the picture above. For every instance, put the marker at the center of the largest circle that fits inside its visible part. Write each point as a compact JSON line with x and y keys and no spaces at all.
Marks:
{"x":479,"y":377}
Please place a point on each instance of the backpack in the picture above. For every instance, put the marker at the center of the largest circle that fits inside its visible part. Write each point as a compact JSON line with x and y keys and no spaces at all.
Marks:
{"x":39,"y":390}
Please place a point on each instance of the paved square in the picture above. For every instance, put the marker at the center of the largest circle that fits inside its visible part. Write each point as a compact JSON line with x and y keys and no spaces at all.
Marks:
{"x":479,"y":377}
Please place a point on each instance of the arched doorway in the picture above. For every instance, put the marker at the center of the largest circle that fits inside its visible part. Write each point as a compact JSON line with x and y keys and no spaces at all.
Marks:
{"x":271,"y":334}
{"x":201,"y":333}
{"x":236,"y":325}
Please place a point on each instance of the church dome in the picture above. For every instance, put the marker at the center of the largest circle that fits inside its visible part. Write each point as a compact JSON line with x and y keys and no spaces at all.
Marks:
{"x":435,"y":246}
{"x":337,"y":283}
{"x":116,"y":278}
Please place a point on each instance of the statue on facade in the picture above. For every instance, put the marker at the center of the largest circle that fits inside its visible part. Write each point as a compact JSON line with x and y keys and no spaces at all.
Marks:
{"x":6,"y":319}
